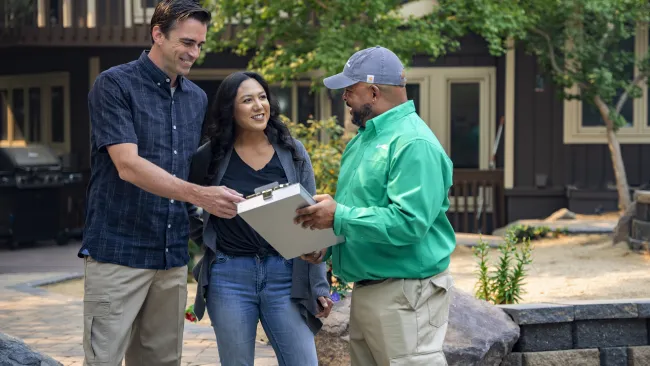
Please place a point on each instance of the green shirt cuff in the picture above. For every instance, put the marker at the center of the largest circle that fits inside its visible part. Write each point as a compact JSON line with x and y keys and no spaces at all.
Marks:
{"x":340,"y":214}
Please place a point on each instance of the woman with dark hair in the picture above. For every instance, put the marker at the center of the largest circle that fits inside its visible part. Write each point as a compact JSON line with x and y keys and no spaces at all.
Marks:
{"x":242,"y":279}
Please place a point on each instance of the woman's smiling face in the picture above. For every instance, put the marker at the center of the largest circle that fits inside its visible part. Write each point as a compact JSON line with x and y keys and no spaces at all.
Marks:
{"x":252,"y":108}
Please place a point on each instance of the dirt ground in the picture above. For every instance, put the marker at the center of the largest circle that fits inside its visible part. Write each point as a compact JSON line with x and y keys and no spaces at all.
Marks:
{"x":570,"y":268}
{"x":567,"y":268}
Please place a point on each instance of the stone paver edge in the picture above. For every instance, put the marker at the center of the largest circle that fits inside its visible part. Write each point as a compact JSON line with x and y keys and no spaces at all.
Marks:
{"x":34,"y":287}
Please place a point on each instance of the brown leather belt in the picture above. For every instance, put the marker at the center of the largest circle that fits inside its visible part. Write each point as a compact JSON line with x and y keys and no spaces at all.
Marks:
{"x":369,"y":282}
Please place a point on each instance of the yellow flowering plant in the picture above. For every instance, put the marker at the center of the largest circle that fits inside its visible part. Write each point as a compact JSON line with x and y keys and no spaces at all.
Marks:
{"x":325,"y":144}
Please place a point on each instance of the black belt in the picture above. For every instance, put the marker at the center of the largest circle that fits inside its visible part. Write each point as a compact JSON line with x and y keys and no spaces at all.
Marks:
{"x":369,"y":282}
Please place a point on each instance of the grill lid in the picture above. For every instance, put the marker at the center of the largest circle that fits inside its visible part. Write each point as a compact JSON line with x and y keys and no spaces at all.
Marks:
{"x":27,"y":157}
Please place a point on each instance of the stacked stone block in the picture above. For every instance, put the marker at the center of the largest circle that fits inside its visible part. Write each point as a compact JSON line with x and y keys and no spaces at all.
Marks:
{"x":583,"y":333}
{"x":640,"y":233}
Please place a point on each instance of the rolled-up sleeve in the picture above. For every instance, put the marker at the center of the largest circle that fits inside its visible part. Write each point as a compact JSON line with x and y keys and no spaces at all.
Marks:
{"x":110,"y":114}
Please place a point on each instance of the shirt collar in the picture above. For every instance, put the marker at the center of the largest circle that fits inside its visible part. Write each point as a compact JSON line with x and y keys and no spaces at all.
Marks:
{"x":156,"y":74}
{"x":387,"y":119}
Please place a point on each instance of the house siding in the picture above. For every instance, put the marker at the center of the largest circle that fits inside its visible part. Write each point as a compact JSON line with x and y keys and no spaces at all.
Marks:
{"x":579,"y":176}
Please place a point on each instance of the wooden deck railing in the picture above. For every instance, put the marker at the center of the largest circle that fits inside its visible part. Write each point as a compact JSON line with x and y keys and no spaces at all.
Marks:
{"x":76,"y":22}
{"x":477,"y":200}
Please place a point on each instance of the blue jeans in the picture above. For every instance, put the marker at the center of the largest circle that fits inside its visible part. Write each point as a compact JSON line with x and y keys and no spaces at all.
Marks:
{"x":244,"y":290}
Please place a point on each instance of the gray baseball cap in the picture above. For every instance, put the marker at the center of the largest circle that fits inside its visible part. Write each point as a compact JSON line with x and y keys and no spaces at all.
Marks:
{"x":374,"y":65}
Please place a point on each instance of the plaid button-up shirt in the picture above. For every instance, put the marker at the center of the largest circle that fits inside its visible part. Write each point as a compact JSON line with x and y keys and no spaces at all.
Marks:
{"x":134,"y":103}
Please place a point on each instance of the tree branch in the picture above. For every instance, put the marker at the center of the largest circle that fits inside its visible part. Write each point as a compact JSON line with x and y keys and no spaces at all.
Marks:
{"x":621,"y":101}
{"x":551,"y":51}
{"x":604,"y":112}
{"x":553,"y":59}
{"x":603,"y":41}
{"x":321,"y":4}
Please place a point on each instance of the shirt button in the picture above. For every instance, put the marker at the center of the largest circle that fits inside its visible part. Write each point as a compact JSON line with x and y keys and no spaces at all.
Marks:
{"x":175,"y":152}
{"x":172,"y":201}
{"x":158,"y":84}
{"x":174,"y":127}
{"x":167,"y":250}
{"x":169,"y":226}
{"x":167,"y":80}
{"x":173,"y":175}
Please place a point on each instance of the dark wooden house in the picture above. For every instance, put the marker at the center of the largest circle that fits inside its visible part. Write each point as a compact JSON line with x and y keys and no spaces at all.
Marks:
{"x":551,"y":153}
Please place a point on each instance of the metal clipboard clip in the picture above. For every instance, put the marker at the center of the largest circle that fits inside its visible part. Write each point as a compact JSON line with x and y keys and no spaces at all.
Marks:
{"x":267,"y":190}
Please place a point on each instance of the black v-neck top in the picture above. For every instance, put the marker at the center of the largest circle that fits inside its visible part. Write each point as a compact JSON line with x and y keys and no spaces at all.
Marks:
{"x":235,"y":236}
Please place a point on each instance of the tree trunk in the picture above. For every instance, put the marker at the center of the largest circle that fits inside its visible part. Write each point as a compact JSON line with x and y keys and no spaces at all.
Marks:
{"x":617,"y":158}
{"x":623,"y":226}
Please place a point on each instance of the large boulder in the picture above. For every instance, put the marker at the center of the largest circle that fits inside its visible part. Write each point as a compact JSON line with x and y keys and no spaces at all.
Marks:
{"x":479,"y":333}
{"x":332,"y":340}
{"x":14,"y":352}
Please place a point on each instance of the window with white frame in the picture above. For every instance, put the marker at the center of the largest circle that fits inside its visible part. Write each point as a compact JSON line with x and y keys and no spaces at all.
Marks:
{"x":583,"y":123}
{"x":35,"y":108}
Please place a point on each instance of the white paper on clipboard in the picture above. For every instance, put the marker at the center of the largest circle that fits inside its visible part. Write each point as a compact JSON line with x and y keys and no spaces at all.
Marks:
{"x":271,"y":212}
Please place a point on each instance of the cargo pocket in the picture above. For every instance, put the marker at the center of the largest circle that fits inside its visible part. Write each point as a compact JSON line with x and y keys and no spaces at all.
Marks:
{"x":439,"y":301}
{"x":96,"y":328}
{"x":420,"y":359}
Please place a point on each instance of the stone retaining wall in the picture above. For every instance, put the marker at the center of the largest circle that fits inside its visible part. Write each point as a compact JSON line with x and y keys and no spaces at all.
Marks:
{"x":640,"y":233}
{"x":584,"y":333}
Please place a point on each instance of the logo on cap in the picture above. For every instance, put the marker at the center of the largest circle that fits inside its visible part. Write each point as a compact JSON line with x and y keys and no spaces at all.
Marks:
{"x":370,"y":79}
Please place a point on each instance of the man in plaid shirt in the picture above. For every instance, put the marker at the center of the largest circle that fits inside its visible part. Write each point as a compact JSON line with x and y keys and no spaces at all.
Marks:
{"x":146,"y":120}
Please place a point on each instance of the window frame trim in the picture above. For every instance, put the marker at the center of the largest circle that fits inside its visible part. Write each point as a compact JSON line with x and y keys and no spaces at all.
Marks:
{"x":639,"y":133}
{"x":135,"y":14}
{"x":43,"y":81}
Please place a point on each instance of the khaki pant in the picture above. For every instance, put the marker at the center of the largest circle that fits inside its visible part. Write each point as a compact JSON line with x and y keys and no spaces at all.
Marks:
{"x":400,"y":322}
{"x":133,"y":314}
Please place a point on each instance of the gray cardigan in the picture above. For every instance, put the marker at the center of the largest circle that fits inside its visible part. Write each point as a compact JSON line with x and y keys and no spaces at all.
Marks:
{"x":309,"y":281}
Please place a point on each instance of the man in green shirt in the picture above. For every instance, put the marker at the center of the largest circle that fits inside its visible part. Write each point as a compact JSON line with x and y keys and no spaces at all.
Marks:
{"x":390,"y":205}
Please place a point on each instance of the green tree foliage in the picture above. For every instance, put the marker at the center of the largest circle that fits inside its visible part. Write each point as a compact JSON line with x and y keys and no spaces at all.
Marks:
{"x":579,"y":43}
{"x":288,"y":38}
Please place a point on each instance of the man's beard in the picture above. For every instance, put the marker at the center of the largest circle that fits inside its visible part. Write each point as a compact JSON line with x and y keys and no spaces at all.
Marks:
{"x":359,"y":118}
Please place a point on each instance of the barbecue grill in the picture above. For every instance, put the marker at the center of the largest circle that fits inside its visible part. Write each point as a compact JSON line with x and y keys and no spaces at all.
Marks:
{"x":31,"y":179}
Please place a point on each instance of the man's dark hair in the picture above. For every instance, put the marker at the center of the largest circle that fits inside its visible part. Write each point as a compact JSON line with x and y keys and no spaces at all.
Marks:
{"x":168,"y":12}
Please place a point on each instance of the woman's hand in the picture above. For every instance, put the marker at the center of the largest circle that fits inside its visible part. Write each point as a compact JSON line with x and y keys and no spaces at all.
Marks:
{"x":325,"y":304}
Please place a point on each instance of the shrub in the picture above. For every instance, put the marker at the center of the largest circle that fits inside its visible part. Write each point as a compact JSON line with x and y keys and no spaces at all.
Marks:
{"x":525,"y":232}
{"x":325,"y":144}
{"x":504,"y":283}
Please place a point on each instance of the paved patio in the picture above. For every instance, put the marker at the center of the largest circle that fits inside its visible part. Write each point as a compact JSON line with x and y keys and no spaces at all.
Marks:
{"x":53,"y":323}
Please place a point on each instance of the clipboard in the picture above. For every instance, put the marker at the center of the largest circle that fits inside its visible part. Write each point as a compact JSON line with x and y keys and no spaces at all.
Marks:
{"x":270,"y":212}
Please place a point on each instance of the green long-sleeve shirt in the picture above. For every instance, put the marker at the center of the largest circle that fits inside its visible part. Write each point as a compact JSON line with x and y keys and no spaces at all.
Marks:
{"x":392,"y":198}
